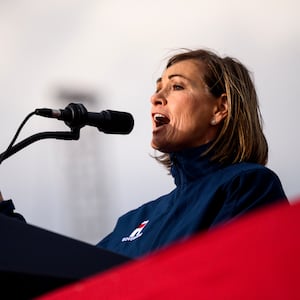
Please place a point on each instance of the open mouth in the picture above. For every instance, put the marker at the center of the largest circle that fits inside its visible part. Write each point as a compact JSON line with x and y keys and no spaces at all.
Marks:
{"x":160,"y":119}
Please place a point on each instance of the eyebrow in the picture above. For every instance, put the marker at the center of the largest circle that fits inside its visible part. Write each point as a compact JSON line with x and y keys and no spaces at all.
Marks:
{"x":170,"y":77}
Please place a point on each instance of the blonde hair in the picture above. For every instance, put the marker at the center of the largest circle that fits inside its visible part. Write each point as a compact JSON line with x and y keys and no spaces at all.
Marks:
{"x":240,"y":138}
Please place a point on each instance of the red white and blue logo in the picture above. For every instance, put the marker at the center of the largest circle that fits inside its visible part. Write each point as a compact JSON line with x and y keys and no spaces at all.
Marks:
{"x":136,"y":233}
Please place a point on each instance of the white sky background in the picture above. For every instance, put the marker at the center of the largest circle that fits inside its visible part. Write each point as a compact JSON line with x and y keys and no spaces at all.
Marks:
{"x":114,"y":51}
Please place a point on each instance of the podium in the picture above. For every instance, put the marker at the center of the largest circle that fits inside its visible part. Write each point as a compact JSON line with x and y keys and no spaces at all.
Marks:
{"x":34,"y":261}
{"x":254,"y":257}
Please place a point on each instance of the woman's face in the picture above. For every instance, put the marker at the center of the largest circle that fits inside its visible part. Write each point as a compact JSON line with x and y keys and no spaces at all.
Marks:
{"x":182,"y":108}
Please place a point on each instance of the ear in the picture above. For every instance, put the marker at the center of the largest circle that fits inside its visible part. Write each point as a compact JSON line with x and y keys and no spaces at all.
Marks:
{"x":221,"y":109}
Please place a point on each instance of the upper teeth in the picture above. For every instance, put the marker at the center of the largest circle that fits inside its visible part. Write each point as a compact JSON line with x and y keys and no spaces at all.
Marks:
{"x":157,"y":117}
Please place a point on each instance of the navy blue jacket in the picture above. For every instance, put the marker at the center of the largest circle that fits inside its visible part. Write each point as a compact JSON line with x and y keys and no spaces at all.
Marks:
{"x":206,"y":194}
{"x":7,"y":208}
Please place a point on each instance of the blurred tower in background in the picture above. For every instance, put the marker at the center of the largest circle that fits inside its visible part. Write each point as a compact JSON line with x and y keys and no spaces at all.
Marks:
{"x":82,"y":165}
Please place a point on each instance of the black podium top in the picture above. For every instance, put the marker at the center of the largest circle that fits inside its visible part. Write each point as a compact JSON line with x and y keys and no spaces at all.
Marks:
{"x":34,"y":261}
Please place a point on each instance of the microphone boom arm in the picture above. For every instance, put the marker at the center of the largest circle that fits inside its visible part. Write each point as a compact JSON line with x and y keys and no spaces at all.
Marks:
{"x":74,"y":134}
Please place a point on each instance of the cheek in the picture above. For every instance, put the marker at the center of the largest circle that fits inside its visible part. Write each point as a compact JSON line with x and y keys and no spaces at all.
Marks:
{"x":188,"y":119}
{"x":182,"y":120}
{"x":192,"y":113}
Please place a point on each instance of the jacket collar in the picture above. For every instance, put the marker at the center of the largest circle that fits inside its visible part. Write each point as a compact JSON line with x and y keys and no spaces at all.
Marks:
{"x":191,"y":164}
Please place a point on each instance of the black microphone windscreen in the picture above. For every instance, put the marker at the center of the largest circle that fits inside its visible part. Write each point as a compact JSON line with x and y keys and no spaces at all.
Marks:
{"x":116,"y":122}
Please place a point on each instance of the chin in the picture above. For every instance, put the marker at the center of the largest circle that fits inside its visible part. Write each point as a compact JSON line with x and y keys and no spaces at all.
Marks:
{"x":159,"y":148}
{"x":162,"y":148}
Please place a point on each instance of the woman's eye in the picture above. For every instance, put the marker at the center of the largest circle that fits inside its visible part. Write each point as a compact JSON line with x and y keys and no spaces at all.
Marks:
{"x":177,"y":87}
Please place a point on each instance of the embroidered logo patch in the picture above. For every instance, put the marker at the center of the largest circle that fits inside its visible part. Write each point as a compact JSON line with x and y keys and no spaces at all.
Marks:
{"x":136,"y":233}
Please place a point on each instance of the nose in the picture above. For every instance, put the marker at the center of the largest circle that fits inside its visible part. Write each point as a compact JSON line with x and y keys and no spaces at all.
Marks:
{"x":158,"y":99}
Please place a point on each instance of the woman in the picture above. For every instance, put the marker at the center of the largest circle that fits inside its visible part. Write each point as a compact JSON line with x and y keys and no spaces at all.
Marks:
{"x":206,"y":122}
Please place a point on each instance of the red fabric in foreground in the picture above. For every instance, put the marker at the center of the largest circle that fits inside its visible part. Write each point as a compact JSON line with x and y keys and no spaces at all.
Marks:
{"x":254,"y":257}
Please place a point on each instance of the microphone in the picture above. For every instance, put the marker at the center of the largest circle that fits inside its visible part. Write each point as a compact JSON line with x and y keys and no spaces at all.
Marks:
{"x":75,"y":115}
